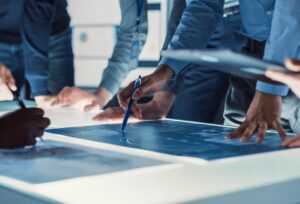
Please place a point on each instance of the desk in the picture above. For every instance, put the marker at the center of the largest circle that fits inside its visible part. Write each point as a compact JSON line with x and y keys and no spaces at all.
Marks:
{"x":269,"y":177}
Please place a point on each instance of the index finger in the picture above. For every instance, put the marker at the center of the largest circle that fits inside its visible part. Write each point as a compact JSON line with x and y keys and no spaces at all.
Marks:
{"x":236,"y":133}
{"x":125,"y":94}
{"x":277,"y":126}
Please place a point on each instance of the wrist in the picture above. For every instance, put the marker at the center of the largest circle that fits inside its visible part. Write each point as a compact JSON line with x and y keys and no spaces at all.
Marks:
{"x":103,"y":95}
{"x":259,"y":94}
{"x":165,"y":70}
{"x":164,"y":100}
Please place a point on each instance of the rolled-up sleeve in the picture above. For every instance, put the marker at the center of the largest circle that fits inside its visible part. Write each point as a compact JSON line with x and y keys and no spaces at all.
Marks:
{"x":119,"y":64}
{"x":36,"y":29}
{"x":284,"y":40}
{"x":198,"y":22}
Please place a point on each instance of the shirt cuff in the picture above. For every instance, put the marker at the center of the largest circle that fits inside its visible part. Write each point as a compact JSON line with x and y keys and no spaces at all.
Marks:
{"x":176,"y":65}
{"x":274,"y":89}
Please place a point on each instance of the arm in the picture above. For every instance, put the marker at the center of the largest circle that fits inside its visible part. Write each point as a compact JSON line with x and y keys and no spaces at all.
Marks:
{"x":119,"y":64}
{"x":175,"y":17}
{"x":290,"y":79}
{"x":281,"y":42}
{"x":162,"y":101}
{"x":265,"y":110}
{"x":36,"y":29}
{"x":198,"y":21}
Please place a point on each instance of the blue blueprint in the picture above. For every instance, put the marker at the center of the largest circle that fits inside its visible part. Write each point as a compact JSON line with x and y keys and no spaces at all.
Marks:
{"x":51,"y":161}
{"x":175,"y":138}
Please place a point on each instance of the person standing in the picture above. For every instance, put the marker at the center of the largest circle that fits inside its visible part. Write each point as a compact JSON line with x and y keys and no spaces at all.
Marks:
{"x":48,"y":65}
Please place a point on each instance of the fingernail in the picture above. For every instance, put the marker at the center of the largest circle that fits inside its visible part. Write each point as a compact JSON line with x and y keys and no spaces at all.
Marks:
{"x":243,"y":139}
{"x":13,"y":87}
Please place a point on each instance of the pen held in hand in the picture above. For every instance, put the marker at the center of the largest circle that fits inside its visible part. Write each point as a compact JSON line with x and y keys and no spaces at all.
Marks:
{"x":137,"y":84}
{"x":16,"y":97}
{"x":19,"y":101}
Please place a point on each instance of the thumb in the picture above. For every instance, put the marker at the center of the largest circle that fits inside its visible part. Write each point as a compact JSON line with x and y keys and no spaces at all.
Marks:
{"x":293,"y":65}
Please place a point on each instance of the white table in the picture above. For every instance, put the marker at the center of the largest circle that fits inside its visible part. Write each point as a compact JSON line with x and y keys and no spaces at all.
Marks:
{"x":263,"y":178}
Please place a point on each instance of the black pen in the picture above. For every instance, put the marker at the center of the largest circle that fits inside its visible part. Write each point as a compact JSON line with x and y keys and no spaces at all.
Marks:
{"x":16,"y":97}
{"x":20,"y":102}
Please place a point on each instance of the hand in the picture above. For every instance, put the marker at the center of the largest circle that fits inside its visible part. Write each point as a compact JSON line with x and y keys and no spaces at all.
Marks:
{"x":111,"y":114}
{"x":73,"y":96}
{"x":294,"y":142}
{"x":6,"y":79}
{"x":20,"y":128}
{"x":263,"y":114}
{"x":157,"y":108}
{"x":290,"y":79}
{"x":150,"y":84}
{"x":44,"y":101}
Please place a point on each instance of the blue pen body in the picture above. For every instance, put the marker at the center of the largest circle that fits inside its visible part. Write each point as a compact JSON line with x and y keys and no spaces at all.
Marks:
{"x":127,"y":114}
{"x":137,"y":84}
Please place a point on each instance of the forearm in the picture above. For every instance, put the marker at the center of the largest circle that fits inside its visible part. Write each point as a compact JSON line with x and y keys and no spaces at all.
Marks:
{"x":174,"y":20}
{"x":198,"y":22}
{"x":119,"y":64}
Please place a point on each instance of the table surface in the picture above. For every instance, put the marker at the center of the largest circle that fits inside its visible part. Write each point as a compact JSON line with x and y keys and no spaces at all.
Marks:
{"x":75,"y":166}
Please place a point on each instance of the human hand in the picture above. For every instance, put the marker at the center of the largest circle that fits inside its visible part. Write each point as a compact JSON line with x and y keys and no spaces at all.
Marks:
{"x":263,"y":114}
{"x":150,"y":84}
{"x":157,"y":108}
{"x":7,"y":82}
{"x":290,"y":79}
{"x":294,"y":142}
{"x":20,"y":128}
{"x":73,"y":96}
{"x":44,"y":101}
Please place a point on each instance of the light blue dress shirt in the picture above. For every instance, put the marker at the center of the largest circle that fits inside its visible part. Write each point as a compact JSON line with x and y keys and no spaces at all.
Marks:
{"x":284,"y":40}
{"x":200,"y":19}
{"x":119,"y":64}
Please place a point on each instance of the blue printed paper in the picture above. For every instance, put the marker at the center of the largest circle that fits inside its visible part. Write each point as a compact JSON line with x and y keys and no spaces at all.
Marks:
{"x":175,"y":138}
